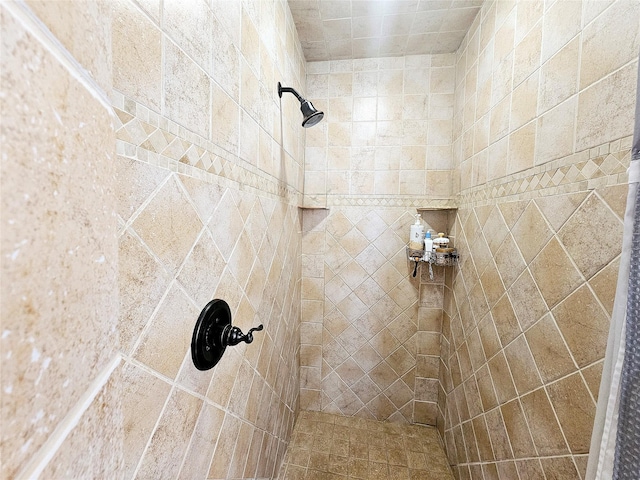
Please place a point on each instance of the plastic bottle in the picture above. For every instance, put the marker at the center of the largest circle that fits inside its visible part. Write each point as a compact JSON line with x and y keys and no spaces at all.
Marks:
{"x":416,"y":237}
{"x":428,"y":246}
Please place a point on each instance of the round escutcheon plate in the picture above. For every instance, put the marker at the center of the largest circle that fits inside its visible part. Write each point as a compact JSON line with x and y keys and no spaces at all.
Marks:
{"x":207,"y":345}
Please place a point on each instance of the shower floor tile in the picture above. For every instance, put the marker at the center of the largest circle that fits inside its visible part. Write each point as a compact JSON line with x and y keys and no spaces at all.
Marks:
{"x":332,"y":447}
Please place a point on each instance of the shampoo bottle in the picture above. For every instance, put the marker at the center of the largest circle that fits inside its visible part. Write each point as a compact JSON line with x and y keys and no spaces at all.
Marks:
{"x":428,"y":246}
{"x":417,"y":234}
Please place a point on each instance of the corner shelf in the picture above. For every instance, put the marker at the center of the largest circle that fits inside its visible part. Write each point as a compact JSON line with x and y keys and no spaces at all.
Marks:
{"x":439,"y":259}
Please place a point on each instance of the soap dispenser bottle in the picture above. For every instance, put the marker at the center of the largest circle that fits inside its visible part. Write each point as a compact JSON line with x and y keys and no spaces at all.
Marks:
{"x":416,"y":235}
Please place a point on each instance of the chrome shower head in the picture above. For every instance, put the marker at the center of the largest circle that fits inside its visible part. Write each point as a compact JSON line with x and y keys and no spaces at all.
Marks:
{"x":310,"y":115}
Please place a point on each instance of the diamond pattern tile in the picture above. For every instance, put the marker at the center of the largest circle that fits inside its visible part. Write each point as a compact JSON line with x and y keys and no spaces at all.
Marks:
{"x":370,"y":315}
{"x":538,"y":286}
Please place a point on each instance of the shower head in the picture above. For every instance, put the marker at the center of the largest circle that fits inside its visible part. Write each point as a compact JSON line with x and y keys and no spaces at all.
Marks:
{"x":310,"y":115}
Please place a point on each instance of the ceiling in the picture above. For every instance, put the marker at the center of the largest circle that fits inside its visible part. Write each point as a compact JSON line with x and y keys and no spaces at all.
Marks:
{"x":345,"y":29}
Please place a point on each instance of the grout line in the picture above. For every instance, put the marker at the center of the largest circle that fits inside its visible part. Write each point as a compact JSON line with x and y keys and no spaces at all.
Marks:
{"x":128,"y":224}
{"x":47,"y":451}
{"x":176,"y":385}
{"x":33,"y":25}
{"x":153,"y":431}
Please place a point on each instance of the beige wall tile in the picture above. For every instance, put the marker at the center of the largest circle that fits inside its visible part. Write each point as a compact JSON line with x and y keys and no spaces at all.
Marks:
{"x":575,"y":409}
{"x":135,"y":288}
{"x":554,"y":263}
{"x":561,"y":23}
{"x":583,"y":324}
{"x":171,"y":436}
{"x":498,"y":435}
{"x":226,"y":57}
{"x":83,"y":32}
{"x":527,"y":52}
{"x":603,"y":285}
{"x":559,"y":76}
{"x":169,"y":207}
{"x":526,"y":300}
{"x":386,"y":116}
{"x":152,"y":7}
{"x":497,"y":163}
{"x":486,"y":389}
{"x":598,"y":121}
{"x":524,"y":102}
{"x":500,"y":119}
{"x":522,"y":366}
{"x":509,"y":261}
{"x":530,"y":468}
{"x":592,"y":376}
{"x":186,"y":90}
{"x":202,"y":269}
{"x":137,"y":72}
{"x":527,"y":15}
{"x":438,"y":183}
{"x":531,"y":232}
{"x":549,"y":350}
{"x":558,"y":208}
{"x":136,"y":182}
{"x":76,"y":456}
{"x":58,"y":243}
{"x":522,"y":148}
{"x":555,"y":133}
{"x":608,"y":45}
{"x":502,"y":382}
{"x":591,"y":215}
{"x":502,"y":79}
{"x":516,"y":425}
{"x":225,"y":118}
{"x":168,"y":337}
{"x":143,"y":398}
{"x":560,"y":466}
{"x":196,"y":462}
{"x":542,"y":422}
{"x":195,"y":40}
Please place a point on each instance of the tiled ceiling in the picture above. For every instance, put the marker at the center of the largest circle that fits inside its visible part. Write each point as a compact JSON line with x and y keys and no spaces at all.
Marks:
{"x":343,"y":29}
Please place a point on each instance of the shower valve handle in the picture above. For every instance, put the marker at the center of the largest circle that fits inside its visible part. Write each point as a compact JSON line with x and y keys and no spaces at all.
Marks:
{"x":235,"y":335}
{"x":213,"y":333}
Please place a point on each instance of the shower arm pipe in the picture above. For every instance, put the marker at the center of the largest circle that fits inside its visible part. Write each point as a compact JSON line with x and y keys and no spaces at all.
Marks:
{"x":282,"y":89}
{"x":310,"y":115}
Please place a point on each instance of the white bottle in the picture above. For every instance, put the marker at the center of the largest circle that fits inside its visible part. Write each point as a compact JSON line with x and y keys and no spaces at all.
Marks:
{"x":428,"y":246}
{"x":416,"y":237}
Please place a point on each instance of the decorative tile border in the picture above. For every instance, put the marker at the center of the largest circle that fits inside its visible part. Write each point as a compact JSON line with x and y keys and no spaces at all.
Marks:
{"x":144,"y":135}
{"x":389,"y":201}
{"x":600,"y":166}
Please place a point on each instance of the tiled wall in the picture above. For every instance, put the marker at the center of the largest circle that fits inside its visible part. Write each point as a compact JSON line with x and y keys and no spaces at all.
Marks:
{"x":370,"y":333}
{"x":545,"y":94}
{"x":199,"y":162}
{"x":59,"y":248}
{"x":183,"y":242}
{"x":180,"y":185}
{"x":209,"y":174}
{"x":387,"y":133}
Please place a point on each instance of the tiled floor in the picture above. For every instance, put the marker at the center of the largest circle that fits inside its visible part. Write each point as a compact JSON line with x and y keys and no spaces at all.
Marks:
{"x":331,"y":447}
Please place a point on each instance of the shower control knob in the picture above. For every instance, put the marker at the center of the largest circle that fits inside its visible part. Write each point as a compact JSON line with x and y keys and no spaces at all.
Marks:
{"x":235,"y":335}
{"x":213,"y":333}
